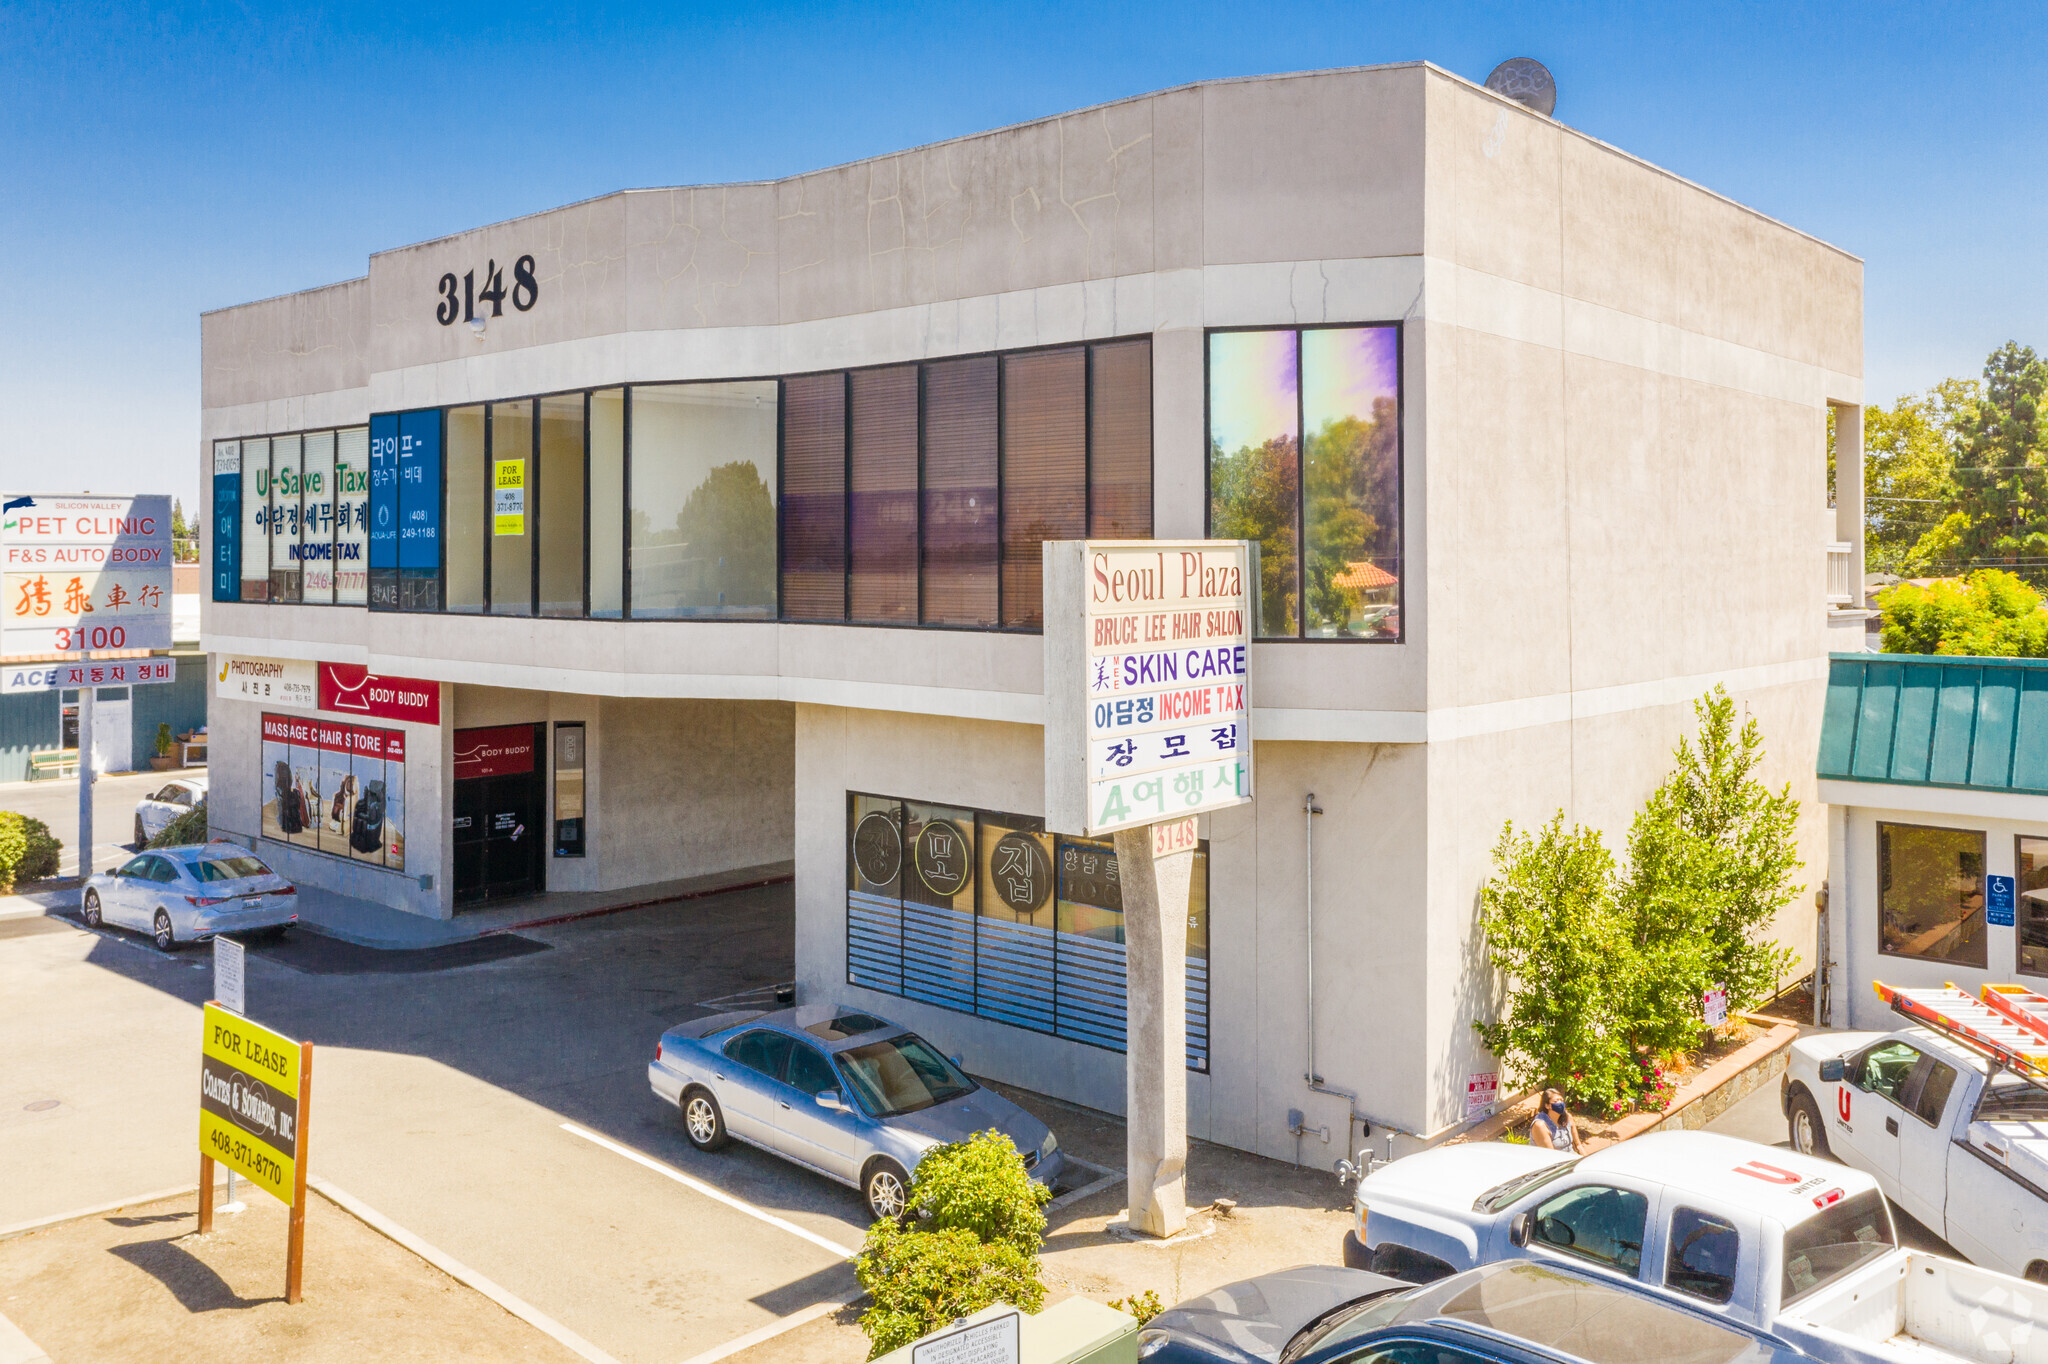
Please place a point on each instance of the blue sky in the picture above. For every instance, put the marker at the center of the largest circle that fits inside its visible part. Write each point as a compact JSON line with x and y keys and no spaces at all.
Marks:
{"x":161,"y":162}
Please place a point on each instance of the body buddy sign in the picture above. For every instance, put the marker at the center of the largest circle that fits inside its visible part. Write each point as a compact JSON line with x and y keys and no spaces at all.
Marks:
{"x":1147,"y":702}
{"x":250,"y":1100}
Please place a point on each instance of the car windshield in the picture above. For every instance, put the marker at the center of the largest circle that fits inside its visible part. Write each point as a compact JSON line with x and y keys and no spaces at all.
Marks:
{"x":901,"y":1075}
{"x":1500,"y":1195}
{"x":228,"y":869}
{"x":1829,"y":1244}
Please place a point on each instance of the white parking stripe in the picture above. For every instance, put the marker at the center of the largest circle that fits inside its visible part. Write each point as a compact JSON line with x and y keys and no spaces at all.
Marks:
{"x":708,"y":1191}
{"x":775,"y":1328}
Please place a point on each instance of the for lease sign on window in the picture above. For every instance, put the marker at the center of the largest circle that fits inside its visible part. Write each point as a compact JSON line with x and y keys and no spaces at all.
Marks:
{"x":1148,"y":703}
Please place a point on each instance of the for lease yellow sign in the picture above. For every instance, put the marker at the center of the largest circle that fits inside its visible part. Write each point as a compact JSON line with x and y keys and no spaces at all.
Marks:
{"x":508,"y":498}
{"x":250,"y":1098}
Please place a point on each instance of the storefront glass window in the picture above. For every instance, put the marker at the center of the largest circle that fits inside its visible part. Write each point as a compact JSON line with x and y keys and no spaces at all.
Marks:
{"x":1931,"y":893}
{"x":960,"y":524}
{"x":286,"y":510}
{"x":814,"y":497}
{"x":1340,"y":490}
{"x":421,"y":486}
{"x":351,"y":515}
{"x":883,"y":494}
{"x":1120,"y":441}
{"x":559,"y":498}
{"x":2030,"y":912}
{"x":511,"y":553}
{"x":1351,"y":476}
{"x":703,"y":494}
{"x":468,"y":504}
{"x":1045,"y":468}
{"x":1028,"y":931}
{"x":384,"y":512}
{"x":227,"y":520}
{"x":335,"y":788}
{"x":255,"y":520}
{"x":608,"y":503}
{"x":316,"y":544}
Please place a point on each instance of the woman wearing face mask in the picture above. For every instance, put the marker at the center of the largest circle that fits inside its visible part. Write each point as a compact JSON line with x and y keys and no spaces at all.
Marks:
{"x":1552,"y":1125}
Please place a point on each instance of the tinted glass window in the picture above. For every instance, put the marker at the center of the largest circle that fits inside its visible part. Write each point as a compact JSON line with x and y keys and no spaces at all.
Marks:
{"x":1931,"y":893}
{"x":814,"y":497}
{"x":1884,"y":1069}
{"x":884,"y":495}
{"x":164,"y":871}
{"x":702,"y":485}
{"x":467,"y":515}
{"x":1825,"y":1247}
{"x":902,"y":1075}
{"x":608,"y":503}
{"x":136,"y":867}
{"x":960,"y":492}
{"x":558,"y":500}
{"x":760,"y":1050}
{"x":1120,"y":441}
{"x":512,"y":508}
{"x":1702,"y":1258}
{"x":810,"y":1071}
{"x":1045,"y":469}
{"x":229,"y":869}
{"x":1937,"y":1080}
{"x":1597,"y":1223}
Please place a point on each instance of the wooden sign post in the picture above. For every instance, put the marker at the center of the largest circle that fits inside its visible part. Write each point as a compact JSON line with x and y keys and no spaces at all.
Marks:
{"x":255,"y":1090}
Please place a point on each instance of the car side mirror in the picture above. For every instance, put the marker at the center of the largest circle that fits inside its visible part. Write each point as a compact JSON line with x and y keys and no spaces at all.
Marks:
{"x":1832,"y":1070}
{"x":1518,"y":1229}
{"x":829,"y":1098}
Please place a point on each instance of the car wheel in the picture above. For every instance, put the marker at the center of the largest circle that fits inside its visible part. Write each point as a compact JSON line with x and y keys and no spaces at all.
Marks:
{"x":703,"y":1122}
{"x":1809,"y":1134}
{"x":91,"y":909}
{"x":165,"y":940}
{"x":141,"y":835}
{"x":887,"y":1189}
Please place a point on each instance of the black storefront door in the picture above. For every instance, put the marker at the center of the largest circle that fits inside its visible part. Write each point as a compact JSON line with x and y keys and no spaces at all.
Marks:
{"x":499,"y":831}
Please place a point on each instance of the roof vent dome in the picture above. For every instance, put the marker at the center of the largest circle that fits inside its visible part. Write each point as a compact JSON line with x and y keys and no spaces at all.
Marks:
{"x":1527,"y":82}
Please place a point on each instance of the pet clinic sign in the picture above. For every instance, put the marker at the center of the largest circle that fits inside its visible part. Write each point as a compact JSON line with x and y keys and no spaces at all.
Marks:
{"x":1147,"y":700}
{"x":83,"y":573}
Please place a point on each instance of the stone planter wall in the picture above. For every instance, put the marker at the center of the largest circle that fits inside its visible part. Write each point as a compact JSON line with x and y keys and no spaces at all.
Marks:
{"x":1701,"y":1099}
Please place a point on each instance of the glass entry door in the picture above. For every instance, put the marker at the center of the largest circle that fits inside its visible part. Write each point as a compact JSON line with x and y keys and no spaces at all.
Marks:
{"x":499,"y":810}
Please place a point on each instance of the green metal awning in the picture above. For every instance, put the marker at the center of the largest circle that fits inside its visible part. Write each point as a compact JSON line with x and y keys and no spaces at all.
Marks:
{"x":1922,"y":720}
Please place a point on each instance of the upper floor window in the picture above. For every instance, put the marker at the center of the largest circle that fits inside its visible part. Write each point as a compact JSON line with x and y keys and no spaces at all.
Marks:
{"x":1305,"y":459}
{"x":912,"y":494}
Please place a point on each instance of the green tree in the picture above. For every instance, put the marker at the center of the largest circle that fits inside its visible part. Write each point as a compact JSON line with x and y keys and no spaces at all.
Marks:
{"x":1350,"y":471}
{"x":1988,"y":614}
{"x":1712,"y":855}
{"x":1555,"y":932}
{"x":1909,"y":477}
{"x":2000,"y":464}
{"x":969,"y":1239}
{"x":1252,"y":497}
{"x":728,"y":522}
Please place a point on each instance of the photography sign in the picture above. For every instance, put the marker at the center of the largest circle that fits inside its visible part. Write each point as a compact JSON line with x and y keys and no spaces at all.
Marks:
{"x":1147,"y":684}
{"x":250,"y":1098}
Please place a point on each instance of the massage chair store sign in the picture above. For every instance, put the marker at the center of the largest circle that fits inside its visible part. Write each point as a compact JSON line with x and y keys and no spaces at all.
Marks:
{"x":1163,"y":676}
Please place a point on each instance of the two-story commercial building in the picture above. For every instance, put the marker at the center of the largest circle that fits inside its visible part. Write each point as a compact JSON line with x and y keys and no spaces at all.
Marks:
{"x":684,"y":530}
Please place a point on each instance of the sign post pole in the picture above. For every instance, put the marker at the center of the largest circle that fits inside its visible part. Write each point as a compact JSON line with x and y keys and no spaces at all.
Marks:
{"x":86,"y":777}
{"x":295,"y":1250}
{"x":1155,"y":893}
{"x":205,"y":1192}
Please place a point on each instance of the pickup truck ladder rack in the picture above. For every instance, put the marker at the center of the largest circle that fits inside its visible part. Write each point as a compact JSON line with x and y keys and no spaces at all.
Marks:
{"x":2008,"y":1033}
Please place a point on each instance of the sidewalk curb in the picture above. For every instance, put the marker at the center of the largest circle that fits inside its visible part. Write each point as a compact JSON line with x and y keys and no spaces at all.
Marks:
{"x":458,"y":1271}
{"x":8,"y":1233}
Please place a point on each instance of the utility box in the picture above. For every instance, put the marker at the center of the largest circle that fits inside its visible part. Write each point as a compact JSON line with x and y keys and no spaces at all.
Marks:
{"x":1076,"y":1331}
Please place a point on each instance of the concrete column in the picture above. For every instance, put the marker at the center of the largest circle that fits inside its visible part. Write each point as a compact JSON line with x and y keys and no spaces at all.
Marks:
{"x":1155,"y":895}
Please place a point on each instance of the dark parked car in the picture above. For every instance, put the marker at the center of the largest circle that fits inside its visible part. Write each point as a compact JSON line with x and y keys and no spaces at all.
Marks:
{"x":1515,"y":1312}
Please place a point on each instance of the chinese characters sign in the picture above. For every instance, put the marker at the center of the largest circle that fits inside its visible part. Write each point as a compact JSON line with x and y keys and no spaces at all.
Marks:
{"x":84,"y":573}
{"x":1159,"y":669}
{"x":272,"y":681}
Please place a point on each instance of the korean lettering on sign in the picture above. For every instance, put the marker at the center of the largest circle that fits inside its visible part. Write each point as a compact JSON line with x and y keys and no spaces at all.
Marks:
{"x":275,"y":681}
{"x":1163,"y":673}
{"x":227,"y":519}
{"x":419,"y":490}
{"x":126,"y":672}
{"x":83,"y":573}
{"x":384,"y":492}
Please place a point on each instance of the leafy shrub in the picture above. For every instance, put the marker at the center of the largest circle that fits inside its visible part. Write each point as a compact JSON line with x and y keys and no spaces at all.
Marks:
{"x":186,"y":829}
{"x":1988,"y":614}
{"x":1604,"y":970}
{"x":1144,"y":1306}
{"x":28,"y":851}
{"x":969,"y":1239}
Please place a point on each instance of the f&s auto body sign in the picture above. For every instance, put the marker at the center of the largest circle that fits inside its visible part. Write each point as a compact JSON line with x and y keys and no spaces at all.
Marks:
{"x":251,"y":1100}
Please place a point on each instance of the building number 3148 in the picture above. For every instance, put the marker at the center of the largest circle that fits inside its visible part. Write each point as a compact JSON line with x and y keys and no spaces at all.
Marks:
{"x":525,"y":292}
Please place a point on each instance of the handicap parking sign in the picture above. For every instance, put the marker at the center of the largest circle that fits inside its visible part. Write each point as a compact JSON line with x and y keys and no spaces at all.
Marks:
{"x":1998,"y":901}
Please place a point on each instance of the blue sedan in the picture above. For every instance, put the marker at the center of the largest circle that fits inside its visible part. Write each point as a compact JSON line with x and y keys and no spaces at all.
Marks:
{"x":848,"y":1095}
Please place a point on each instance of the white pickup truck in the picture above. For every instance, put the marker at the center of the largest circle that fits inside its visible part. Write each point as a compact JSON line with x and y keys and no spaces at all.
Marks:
{"x":1798,"y":1246}
{"x":1953,"y":1135}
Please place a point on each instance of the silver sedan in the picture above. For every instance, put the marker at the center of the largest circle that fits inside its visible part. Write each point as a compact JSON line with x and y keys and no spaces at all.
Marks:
{"x":186,"y":894}
{"x":849,"y":1095}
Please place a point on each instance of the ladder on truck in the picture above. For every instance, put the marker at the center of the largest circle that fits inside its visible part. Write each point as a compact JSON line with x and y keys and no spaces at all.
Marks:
{"x":2007,"y":1025}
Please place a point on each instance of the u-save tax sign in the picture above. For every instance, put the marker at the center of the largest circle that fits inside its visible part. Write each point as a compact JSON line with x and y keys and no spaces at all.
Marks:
{"x":1147,"y":681}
